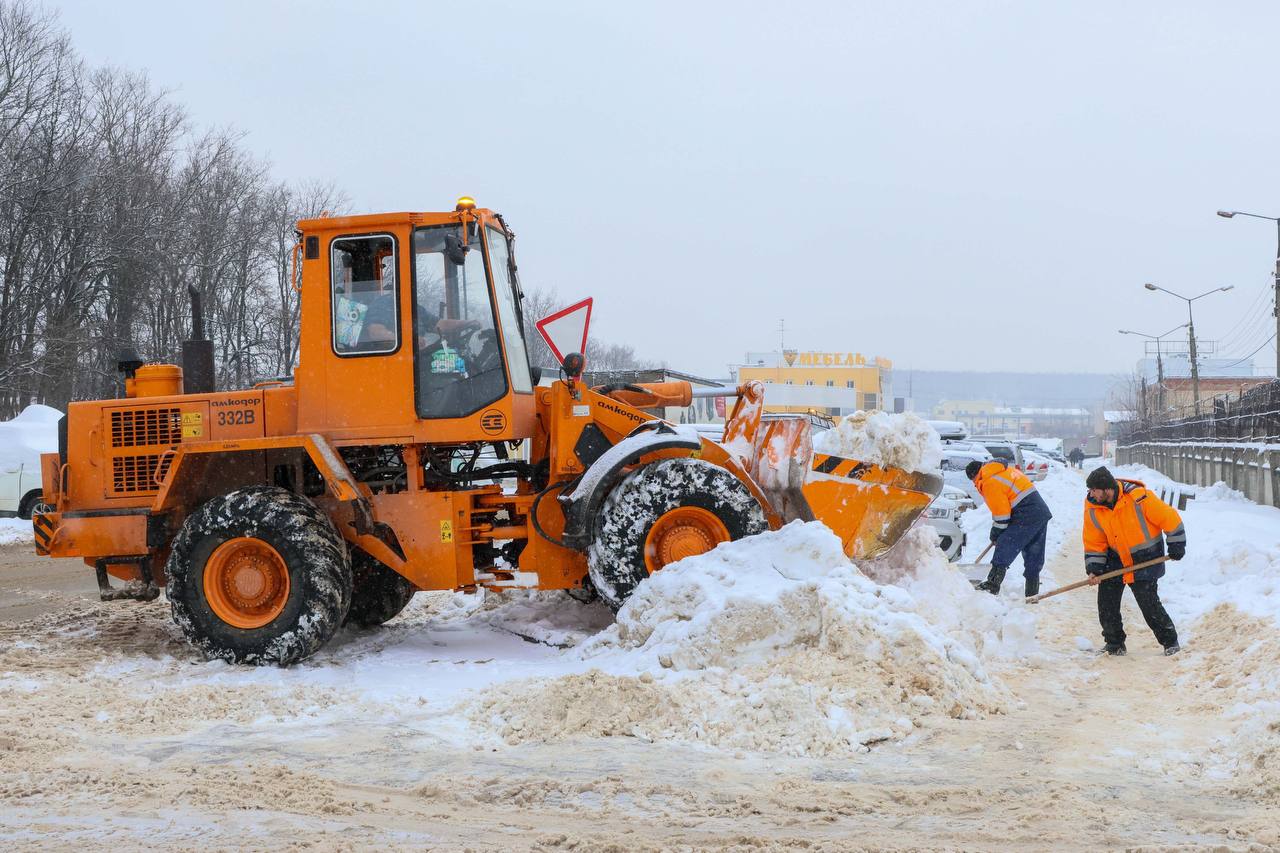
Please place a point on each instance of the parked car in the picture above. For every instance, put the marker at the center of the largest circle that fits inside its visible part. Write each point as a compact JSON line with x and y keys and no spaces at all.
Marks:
{"x":963,"y":500}
{"x":958,"y":454}
{"x":1037,"y":465}
{"x":944,"y":516}
{"x":1006,"y":451}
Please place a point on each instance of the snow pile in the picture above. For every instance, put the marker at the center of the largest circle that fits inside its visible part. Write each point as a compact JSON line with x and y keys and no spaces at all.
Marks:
{"x":773,"y":643}
{"x":888,"y":440}
{"x":996,"y":627}
{"x":1235,"y":674}
{"x":15,"y":530}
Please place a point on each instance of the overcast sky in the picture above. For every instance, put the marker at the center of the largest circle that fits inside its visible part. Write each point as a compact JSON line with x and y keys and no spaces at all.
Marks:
{"x":949,"y":185}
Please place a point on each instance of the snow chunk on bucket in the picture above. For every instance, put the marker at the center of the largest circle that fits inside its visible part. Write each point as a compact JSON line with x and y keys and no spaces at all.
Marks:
{"x":774,"y":643}
{"x":888,"y":440}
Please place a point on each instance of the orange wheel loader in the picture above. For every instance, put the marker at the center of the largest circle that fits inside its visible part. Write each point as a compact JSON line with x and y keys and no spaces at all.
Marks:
{"x":414,"y":449}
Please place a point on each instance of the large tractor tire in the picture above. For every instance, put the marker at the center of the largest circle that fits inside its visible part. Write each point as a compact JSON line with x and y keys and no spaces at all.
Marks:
{"x":258,"y":576}
{"x":661,"y":513}
{"x":377,"y":592}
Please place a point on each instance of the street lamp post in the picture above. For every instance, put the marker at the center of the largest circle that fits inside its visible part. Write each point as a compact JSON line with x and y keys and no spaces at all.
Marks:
{"x":1275,"y":309}
{"x":1159,"y":362}
{"x":1191,"y":335}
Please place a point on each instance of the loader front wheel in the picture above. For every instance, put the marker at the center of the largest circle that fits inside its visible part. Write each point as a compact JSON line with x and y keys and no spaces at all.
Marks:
{"x":378,"y":593}
{"x":258,"y":576}
{"x":664,"y":512}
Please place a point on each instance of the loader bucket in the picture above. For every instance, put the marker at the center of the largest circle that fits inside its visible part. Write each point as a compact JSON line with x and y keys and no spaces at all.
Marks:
{"x":868,"y":507}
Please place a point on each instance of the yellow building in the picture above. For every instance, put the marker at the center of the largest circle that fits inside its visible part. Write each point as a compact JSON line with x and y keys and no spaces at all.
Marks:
{"x":837,"y":383}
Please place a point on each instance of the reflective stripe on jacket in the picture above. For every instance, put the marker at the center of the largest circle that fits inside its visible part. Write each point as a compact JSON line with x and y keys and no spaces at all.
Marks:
{"x":1002,"y":487}
{"x":1132,"y":528}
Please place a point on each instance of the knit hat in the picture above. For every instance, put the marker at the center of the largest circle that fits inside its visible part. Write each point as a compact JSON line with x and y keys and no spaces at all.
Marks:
{"x":1100,"y":478}
{"x":971,"y":470}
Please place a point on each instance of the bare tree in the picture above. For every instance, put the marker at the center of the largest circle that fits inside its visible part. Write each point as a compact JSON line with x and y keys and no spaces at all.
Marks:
{"x":112,"y":205}
{"x":600,"y":355}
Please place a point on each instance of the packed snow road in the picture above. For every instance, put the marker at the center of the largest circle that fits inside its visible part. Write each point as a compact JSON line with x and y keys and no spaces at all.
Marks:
{"x":767,"y":696}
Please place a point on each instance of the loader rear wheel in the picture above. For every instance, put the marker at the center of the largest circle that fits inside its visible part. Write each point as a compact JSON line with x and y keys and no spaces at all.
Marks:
{"x":378,"y":593}
{"x":664,"y":512}
{"x":258,"y":576}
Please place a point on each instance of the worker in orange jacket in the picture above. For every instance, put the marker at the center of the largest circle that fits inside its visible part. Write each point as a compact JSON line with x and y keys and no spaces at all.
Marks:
{"x":1019,"y":521}
{"x":1124,"y":524}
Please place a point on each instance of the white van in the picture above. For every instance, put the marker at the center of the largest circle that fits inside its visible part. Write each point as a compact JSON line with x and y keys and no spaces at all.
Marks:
{"x":22,"y":440}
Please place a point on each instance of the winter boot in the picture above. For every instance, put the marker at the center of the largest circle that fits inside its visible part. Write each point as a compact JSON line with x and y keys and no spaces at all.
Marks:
{"x":1033,"y":586}
{"x":1115,"y":649}
{"x":995,"y":577}
{"x":1172,"y":650}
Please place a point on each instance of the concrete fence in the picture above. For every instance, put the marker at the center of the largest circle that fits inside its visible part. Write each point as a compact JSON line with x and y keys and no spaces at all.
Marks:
{"x":1250,"y":468}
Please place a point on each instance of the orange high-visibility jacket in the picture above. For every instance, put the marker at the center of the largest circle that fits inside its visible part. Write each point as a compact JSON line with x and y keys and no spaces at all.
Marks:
{"x":1130,"y":527}
{"x":1002,"y":487}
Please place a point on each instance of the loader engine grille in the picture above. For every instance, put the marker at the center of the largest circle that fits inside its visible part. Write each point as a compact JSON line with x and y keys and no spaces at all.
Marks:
{"x":144,"y":427}
{"x":132,"y":474}
{"x":153,"y":431}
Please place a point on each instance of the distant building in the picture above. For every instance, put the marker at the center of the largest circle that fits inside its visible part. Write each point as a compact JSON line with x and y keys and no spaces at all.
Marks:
{"x":1179,"y":392}
{"x":984,"y":417}
{"x":837,"y":383}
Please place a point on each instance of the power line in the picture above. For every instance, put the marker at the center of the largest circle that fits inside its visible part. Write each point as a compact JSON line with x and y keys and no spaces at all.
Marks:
{"x":1251,"y":314}
{"x":1256,"y":333}
{"x":1248,"y":323}
{"x":1255,"y":352}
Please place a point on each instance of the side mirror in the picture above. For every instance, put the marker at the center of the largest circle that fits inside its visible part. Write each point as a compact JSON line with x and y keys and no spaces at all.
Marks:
{"x":455,"y":250}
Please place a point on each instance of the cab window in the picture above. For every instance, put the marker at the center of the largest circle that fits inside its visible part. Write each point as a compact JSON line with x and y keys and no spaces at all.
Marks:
{"x":459,"y":366}
{"x":365,"y":295}
{"x":503,"y":287}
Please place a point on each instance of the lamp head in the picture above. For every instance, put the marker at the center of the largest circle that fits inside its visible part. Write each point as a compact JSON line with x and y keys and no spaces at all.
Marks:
{"x":1149,"y":286}
{"x":1226,"y":214}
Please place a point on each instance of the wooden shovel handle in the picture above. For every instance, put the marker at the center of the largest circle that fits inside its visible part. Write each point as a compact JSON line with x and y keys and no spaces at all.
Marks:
{"x":984,"y":553}
{"x":1135,"y":567}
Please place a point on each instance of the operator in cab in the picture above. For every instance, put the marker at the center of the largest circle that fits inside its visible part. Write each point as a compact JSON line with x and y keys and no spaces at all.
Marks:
{"x":1019,"y":521}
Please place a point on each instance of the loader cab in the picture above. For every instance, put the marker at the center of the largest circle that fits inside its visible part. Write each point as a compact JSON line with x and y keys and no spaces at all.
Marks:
{"x":412,"y":330}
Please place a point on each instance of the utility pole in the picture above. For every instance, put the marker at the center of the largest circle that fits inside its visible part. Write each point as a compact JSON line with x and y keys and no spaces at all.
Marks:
{"x":1191,"y":329}
{"x":1195,"y":369}
{"x":1159,"y":378}
{"x":1275,"y":306}
{"x":1159,"y":361}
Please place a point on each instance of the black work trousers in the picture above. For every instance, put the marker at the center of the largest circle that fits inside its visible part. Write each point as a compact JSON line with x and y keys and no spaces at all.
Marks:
{"x":1147,"y":595}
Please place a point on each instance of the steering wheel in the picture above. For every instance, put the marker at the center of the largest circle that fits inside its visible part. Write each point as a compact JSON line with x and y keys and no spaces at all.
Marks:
{"x":481,"y":351}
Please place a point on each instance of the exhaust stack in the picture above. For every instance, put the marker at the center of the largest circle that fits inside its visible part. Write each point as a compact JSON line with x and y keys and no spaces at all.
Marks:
{"x":197,"y":353}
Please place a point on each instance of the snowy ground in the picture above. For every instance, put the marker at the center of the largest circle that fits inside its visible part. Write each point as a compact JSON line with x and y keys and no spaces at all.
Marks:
{"x":764,"y":696}
{"x":14,"y":530}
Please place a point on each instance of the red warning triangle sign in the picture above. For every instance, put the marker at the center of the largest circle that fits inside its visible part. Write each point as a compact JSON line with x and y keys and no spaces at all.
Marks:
{"x":566,"y":331}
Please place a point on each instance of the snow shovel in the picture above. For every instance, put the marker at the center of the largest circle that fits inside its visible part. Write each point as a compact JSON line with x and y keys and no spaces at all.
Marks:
{"x":1135,"y":567}
{"x":977,"y":562}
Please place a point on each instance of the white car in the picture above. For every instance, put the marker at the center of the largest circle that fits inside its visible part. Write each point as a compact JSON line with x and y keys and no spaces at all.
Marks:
{"x":944,"y":516}
{"x":956,"y":455}
{"x":22,"y":440}
{"x":1035,"y":466}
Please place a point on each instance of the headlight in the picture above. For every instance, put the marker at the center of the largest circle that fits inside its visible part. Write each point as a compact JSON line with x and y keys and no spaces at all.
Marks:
{"x":937,"y":512}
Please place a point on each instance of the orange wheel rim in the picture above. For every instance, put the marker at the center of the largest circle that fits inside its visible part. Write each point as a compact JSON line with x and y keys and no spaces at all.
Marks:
{"x":682,"y":532}
{"x":246,"y":582}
